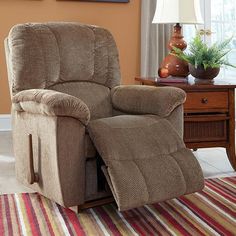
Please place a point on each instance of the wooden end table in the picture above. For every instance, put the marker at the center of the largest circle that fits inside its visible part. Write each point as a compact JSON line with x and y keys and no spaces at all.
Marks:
{"x":209,"y":113}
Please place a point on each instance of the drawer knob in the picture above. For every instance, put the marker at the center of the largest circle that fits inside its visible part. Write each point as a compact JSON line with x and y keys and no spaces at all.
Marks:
{"x":204,"y":100}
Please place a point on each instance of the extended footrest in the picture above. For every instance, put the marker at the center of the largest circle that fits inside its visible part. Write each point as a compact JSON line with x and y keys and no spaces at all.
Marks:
{"x":145,"y":159}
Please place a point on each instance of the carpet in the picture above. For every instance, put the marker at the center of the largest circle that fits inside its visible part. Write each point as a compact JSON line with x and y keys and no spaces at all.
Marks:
{"x":209,"y":212}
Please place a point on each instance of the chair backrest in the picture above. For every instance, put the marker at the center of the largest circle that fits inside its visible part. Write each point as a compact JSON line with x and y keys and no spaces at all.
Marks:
{"x":65,"y":56}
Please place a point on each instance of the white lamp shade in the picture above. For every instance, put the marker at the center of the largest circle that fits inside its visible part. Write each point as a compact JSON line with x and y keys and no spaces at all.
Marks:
{"x":178,"y":11}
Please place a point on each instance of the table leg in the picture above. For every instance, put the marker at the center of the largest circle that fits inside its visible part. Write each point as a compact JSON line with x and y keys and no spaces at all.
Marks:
{"x":231,"y":156}
{"x":230,"y":150}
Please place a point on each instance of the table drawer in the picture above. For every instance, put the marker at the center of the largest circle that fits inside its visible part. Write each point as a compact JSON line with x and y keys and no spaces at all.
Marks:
{"x":206,"y":100}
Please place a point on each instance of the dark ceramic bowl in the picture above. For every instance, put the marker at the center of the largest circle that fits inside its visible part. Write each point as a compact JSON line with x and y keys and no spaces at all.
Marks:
{"x":201,"y":73}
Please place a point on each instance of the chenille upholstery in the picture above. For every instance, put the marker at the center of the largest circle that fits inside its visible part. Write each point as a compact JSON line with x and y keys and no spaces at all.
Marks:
{"x":51,"y":103}
{"x":65,"y":85}
{"x":144,"y":167}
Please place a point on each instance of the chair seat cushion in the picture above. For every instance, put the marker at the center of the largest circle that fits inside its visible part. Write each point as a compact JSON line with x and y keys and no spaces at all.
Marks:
{"x":146,"y":160}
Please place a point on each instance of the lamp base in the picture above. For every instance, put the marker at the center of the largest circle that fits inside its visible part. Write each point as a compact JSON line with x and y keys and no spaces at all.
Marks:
{"x":175,"y":66}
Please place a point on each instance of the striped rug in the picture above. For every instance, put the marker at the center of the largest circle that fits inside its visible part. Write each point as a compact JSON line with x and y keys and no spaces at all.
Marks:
{"x":210,"y":212}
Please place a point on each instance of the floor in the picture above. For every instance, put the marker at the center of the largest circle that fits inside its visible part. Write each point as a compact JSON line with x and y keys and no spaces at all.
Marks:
{"x":8,"y":182}
{"x":213,"y":161}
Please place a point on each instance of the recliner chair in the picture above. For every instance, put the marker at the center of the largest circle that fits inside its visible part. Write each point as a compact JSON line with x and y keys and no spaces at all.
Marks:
{"x":65,"y":87}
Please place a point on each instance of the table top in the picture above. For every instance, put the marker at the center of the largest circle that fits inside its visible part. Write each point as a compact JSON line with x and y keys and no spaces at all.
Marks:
{"x":190,"y":82}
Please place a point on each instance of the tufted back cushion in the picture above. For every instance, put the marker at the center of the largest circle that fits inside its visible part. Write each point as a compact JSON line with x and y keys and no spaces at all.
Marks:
{"x":45,"y":55}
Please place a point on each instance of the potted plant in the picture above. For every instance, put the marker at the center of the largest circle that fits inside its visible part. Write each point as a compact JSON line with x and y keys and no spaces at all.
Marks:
{"x":205,"y":61}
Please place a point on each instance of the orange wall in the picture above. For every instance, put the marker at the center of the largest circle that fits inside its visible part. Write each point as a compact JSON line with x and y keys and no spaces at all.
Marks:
{"x":122,"y":19}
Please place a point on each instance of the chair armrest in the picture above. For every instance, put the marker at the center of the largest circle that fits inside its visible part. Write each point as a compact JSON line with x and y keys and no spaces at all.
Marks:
{"x":51,"y":103}
{"x":139,"y":99}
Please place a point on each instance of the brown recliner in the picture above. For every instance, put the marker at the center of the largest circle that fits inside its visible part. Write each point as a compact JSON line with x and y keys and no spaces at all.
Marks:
{"x":65,"y":87}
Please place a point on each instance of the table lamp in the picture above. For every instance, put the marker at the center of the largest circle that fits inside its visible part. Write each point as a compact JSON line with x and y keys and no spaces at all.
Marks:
{"x":177,"y":12}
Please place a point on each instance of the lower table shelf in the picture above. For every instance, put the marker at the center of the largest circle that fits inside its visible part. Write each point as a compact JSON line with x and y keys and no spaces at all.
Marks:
{"x":203,"y":128}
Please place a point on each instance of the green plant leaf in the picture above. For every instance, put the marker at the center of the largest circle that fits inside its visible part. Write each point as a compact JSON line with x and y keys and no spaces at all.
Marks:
{"x":202,"y":55}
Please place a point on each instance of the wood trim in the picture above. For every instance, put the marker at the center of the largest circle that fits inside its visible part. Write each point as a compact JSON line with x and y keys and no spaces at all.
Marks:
{"x":32,"y":176}
{"x":206,"y":118}
{"x":197,"y":145}
{"x":231,"y":149}
{"x":95,"y":203}
{"x":186,"y":111}
{"x":191,"y":84}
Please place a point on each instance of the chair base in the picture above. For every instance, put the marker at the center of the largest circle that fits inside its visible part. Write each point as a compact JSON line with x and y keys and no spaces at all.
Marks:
{"x":95,"y":203}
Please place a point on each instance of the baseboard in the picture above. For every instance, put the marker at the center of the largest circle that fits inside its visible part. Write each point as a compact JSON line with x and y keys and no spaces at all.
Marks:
{"x":5,"y":122}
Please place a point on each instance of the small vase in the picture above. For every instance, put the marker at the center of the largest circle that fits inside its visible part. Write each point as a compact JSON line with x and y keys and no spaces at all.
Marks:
{"x":201,"y":73}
